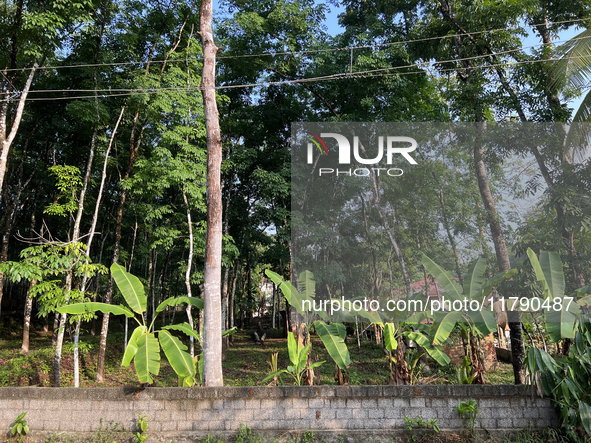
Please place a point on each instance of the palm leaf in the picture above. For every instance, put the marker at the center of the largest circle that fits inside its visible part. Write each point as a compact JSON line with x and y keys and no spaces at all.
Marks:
{"x":181,"y":361}
{"x":574,"y":67}
{"x":131,"y":287}
{"x":333,"y":337}
{"x":84,"y":308}
{"x":147,"y":359}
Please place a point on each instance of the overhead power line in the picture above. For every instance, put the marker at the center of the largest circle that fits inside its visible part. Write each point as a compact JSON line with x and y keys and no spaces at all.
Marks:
{"x":294,"y":53}
{"x":373,"y":73}
{"x":108,"y":92}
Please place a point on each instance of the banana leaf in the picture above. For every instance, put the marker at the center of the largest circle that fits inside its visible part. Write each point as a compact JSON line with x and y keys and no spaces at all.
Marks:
{"x":132,"y":346}
{"x":173,"y":301}
{"x":444,"y":324}
{"x":484,"y":321}
{"x":185,"y":328}
{"x":147,"y":359}
{"x":131,"y":287}
{"x":445,"y":279}
{"x":474,"y":277}
{"x":333,"y":337}
{"x":84,"y":308}
{"x":436,"y":352}
{"x":175,"y":352}
{"x":390,"y":337}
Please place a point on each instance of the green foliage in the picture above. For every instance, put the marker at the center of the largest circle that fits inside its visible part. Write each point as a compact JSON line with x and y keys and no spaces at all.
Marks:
{"x":68,"y":180}
{"x":464,"y":375}
{"x":20,"y":428}
{"x":566,"y":380}
{"x":245,"y":435}
{"x":141,"y":426}
{"x":411,"y":423}
{"x":144,"y":346}
{"x":468,"y":410}
{"x":560,"y":323}
{"x":298,"y":355}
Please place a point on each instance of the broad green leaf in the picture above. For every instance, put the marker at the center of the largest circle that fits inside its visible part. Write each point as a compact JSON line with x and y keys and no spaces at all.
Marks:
{"x":84,"y":308}
{"x":585,"y":413}
{"x":390,"y":337}
{"x":436,"y":352}
{"x":285,"y":286}
{"x":552,"y":269}
{"x":373,"y":317}
{"x":585,"y":301}
{"x":484,"y":321}
{"x":230,"y":332}
{"x":275,"y":278}
{"x":303,"y":356}
{"x":173,"y":301}
{"x":132,"y":346}
{"x":185,"y":328}
{"x":562,"y":323}
{"x":307,"y":285}
{"x":333,"y":337}
{"x":292,"y":348}
{"x":473,"y":278}
{"x":445,"y":279}
{"x":316,"y":364}
{"x":444,"y":324}
{"x":181,"y":361}
{"x":200,"y":367}
{"x":131,"y":287}
{"x":537,"y":269}
{"x":147,"y":359}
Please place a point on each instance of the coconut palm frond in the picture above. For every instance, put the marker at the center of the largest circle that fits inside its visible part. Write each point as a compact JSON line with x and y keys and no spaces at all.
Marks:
{"x":574,"y":67}
{"x":578,"y":141}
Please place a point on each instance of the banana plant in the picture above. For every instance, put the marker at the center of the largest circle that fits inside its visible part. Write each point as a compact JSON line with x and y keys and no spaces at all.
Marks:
{"x":145,"y":343}
{"x":566,"y":380}
{"x":562,"y":322}
{"x":298,"y":355}
{"x":332,"y":335}
{"x":473,"y":323}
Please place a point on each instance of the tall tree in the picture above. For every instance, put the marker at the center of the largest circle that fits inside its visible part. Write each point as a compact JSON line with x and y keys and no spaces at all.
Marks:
{"x":212,"y":331}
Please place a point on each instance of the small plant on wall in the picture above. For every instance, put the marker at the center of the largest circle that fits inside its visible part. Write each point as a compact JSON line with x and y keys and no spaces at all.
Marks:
{"x":20,"y":428}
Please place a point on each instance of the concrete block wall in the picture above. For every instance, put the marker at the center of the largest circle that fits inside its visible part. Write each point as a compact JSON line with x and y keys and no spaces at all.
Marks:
{"x":185,"y":414}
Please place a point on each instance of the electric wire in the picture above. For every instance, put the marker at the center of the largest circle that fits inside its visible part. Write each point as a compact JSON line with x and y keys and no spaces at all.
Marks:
{"x":358,"y":74}
{"x":375,"y":73}
{"x":309,"y":51}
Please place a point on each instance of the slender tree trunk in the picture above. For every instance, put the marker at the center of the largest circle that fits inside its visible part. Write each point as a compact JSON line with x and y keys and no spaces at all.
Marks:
{"x":212,"y":362}
{"x":5,"y":138}
{"x":188,"y":272}
{"x":515,"y":325}
{"x":27,"y":324}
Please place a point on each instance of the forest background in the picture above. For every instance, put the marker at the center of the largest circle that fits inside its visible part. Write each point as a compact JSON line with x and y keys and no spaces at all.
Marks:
{"x":103,"y":135}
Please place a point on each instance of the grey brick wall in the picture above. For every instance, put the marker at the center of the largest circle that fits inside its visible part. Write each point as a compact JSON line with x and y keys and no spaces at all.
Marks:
{"x":183,"y":414}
